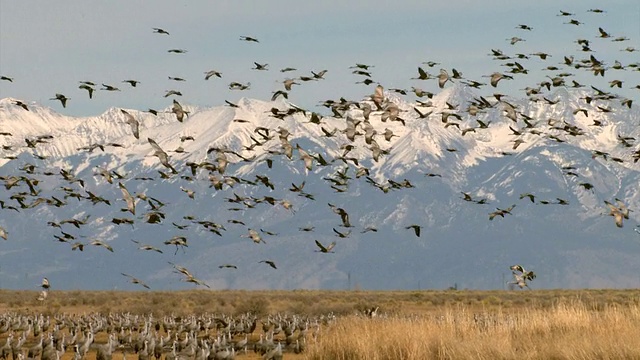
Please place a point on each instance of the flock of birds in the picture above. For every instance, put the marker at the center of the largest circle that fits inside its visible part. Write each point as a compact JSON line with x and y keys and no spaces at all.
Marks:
{"x":201,"y":337}
{"x":363,"y":128}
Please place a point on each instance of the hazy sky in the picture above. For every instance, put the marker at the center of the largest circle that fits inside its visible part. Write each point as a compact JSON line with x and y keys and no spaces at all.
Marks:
{"x":48,"y":47}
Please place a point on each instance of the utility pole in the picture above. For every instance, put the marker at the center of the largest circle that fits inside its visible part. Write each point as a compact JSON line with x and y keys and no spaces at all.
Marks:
{"x":349,"y":280}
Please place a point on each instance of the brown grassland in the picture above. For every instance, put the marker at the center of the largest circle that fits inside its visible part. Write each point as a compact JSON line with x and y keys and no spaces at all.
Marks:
{"x":539,"y":324}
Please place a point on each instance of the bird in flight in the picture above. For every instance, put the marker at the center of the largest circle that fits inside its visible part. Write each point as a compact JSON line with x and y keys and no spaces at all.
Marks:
{"x":101,"y":243}
{"x":270,"y":263}
{"x":135,"y":280}
{"x":248,"y":38}
{"x":160,"y":31}
{"x":619,"y":211}
{"x":416,"y":229}
{"x":63,"y":99}
{"x":521,"y":276}
{"x":325,"y":249}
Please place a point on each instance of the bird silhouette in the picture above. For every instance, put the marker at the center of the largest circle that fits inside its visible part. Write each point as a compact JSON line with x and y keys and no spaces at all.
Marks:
{"x":324,"y":249}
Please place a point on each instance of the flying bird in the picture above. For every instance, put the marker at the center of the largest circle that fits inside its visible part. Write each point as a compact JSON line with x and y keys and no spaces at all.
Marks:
{"x":130,"y":200}
{"x":135,"y":280}
{"x":101,"y":243}
{"x":324,"y":249}
{"x":160,"y":31}
{"x":249,"y":38}
{"x":89,"y":89}
{"x":521,"y":276}
{"x":63,"y":99}
{"x":619,"y":211}
{"x":416,"y":229}
{"x":270,"y":263}
{"x":135,"y":125}
{"x":211,"y":73}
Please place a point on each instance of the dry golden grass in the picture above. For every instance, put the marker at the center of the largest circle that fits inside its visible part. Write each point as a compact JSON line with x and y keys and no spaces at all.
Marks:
{"x":542,"y":324}
{"x":569,"y":330}
{"x":303,"y":302}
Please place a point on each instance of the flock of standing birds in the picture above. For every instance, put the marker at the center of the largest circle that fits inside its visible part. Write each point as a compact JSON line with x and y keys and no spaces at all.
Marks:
{"x":202,"y":337}
{"x":358,"y":132}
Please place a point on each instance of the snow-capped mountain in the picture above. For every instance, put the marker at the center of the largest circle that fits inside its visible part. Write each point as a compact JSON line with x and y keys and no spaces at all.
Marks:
{"x":557,"y":160}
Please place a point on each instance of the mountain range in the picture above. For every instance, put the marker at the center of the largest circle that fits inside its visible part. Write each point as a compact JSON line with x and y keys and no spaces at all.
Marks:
{"x":488,"y":182}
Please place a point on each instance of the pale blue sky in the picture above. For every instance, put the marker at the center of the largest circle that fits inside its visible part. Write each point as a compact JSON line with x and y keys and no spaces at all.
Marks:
{"x":48,"y":47}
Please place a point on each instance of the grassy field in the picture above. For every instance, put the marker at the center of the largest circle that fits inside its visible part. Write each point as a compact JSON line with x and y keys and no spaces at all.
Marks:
{"x":541,"y":324}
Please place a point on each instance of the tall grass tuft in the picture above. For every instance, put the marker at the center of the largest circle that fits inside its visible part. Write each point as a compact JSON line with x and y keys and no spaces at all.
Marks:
{"x":567,"y":330}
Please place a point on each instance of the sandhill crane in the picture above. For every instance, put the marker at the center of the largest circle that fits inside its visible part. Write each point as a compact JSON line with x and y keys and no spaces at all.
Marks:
{"x":416,"y":229}
{"x":130,"y":200}
{"x":344,"y":216}
{"x":270,"y":263}
{"x":104,"y":352}
{"x":496,"y":77}
{"x":135,"y":280}
{"x":521,"y":276}
{"x":161,"y":155}
{"x":5,"y":351}
{"x":308,"y":159}
{"x":3,"y":233}
{"x":618,"y":211}
{"x":378,"y":97}
{"x":36,"y":349}
{"x":101,"y":243}
{"x":443,"y":77}
{"x":160,"y":31}
{"x":249,"y":38}
{"x":109,"y":88}
{"x":178,"y":241}
{"x":89,"y":89}
{"x":288,"y":83}
{"x":501,"y":212}
{"x":210,"y":73}
{"x":63,"y":99}
{"x":325,"y":249}
{"x":259,"y":66}
{"x":131,"y":121}
{"x":422,"y":75}
{"x":255,"y":236}
{"x":178,"y":110}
